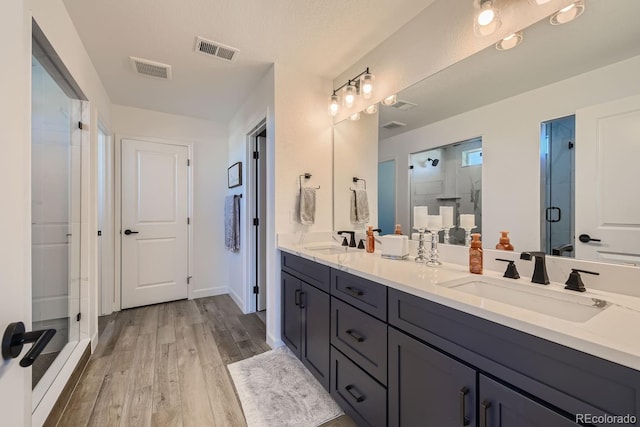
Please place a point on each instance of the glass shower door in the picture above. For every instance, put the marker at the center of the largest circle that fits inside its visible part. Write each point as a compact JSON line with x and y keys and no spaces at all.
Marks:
{"x":55,"y":219}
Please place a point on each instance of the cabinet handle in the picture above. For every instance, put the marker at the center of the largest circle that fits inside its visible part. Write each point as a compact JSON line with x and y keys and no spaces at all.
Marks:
{"x":463,"y":406}
{"x":484,"y":409}
{"x":296,"y":297}
{"x":354,"y":291}
{"x":303,"y":299}
{"x":356,"y":336}
{"x":359,"y":397}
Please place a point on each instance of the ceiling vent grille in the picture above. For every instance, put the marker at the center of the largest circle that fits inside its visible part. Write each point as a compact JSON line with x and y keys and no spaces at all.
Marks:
{"x":215,"y":49}
{"x":151,"y":68}
{"x":403,"y":105}
{"x":393,"y":125}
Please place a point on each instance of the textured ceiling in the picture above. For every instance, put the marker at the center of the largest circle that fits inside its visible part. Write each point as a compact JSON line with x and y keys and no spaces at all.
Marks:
{"x":323,"y":37}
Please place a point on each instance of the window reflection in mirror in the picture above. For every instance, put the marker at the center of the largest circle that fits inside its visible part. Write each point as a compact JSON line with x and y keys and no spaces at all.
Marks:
{"x":449,"y":176}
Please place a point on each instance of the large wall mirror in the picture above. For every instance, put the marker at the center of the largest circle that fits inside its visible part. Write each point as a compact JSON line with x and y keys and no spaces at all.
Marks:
{"x":586,"y":70}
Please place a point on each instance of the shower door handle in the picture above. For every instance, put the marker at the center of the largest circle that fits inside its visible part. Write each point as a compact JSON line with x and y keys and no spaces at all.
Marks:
{"x":15,"y":338}
{"x":548,"y":216}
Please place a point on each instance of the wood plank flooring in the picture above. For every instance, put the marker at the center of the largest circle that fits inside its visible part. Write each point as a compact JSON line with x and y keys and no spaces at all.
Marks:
{"x":165,"y":365}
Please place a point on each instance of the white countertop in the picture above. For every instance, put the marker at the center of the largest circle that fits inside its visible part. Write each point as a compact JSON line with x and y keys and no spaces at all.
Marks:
{"x":613,"y":335}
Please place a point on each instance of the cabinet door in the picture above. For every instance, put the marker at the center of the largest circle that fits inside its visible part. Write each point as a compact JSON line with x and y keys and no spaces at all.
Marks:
{"x":428,"y":388}
{"x":291,"y":313}
{"x":501,"y":406}
{"x":316,"y":314}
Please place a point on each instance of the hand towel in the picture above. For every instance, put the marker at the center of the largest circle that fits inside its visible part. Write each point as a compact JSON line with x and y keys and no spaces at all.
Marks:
{"x":359,"y":207}
{"x":307,"y":205}
{"x":232,"y":223}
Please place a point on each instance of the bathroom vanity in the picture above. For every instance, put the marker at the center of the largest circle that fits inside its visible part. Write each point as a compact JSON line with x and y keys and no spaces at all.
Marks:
{"x":401,"y":344}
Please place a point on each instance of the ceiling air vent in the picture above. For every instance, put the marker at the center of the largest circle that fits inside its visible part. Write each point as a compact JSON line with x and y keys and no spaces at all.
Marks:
{"x":151,"y":68}
{"x":393,"y":125}
{"x":215,"y":49}
{"x":403,"y":105}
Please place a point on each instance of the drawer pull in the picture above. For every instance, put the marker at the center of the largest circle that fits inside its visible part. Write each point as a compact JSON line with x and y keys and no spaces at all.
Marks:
{"x":484,"y":408}
{"x":355,"y":393}
{"x":354,"y":291}
{"x":356,"y":336}
{"x":296,"y":297}
{"x":463,"y":406}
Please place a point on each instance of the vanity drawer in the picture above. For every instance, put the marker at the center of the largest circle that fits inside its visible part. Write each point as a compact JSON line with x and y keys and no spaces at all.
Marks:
{"x":361,"y":337}
{"x":368,"y":296}
{"x":359,"y":395}
{"x":309,"y":271}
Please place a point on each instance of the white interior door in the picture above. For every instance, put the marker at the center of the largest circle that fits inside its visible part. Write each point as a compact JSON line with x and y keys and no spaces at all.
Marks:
{"x":607,"y":175}
{"x":154,"y":222}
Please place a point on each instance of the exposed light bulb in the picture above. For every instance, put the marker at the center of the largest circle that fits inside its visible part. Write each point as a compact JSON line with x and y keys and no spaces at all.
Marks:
{"x":355,"y":116}
{"x":334,"y":105}
{"x":486,"y":17}
{"x":510,"y":42}
{"x":568,"y":13}
{"x":349,"y":95}
{"x":390,"y":100}
{"x":371,"y":109}
{"x":366,"y":85}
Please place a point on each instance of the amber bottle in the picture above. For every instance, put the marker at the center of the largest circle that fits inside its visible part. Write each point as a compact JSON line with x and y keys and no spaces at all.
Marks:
{"x":504,"y":244}
{"x":371,"y":241}
{"x":475,"y":254}
{"x":398,"y":229}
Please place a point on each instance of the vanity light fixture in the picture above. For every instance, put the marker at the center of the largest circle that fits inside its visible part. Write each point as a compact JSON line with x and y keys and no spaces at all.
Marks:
{"x":355,"y":116}
{"x":510,"y":42}
{"x":390,"y":100}
{"x":568,"y":14}
{"x":538,"y":2}
{"x":487,"y":17}
{"x":371,"y":109}
{"x":360,"y":85}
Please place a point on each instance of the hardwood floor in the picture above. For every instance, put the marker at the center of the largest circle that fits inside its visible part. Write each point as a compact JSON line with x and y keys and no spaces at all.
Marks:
{"x":165,"y":365}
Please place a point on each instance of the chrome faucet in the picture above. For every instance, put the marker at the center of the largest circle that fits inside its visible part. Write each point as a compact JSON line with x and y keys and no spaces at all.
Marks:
{"x":540,"y":269}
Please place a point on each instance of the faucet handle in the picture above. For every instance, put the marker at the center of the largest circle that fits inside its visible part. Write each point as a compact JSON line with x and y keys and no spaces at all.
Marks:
{"x":574,"y":282}
{"x":512,"y":271}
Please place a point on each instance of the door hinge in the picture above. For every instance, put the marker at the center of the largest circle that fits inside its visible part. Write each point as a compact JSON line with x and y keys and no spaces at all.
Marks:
{"x":256,"y":155}
{"x":188,"y":221}
{"x":256,"y":290}
{"x":411,"y":167}
{"x":256,"y":221}
{"x":571,"y":145}
{"x":99,"y":233}
{"x":78,"y":317}
{"x":189,"y":279}
{"x":188,"y":162}
{"x":79,"y":125}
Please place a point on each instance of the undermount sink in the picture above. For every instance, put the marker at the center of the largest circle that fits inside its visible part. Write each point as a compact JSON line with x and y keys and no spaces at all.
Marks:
{"x":327,"y":249}
{"x":575,"y":308}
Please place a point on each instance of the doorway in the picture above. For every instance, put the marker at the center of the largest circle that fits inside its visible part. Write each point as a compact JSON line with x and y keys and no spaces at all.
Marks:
{"x":557,"y":146}
{"x":258,"y":191}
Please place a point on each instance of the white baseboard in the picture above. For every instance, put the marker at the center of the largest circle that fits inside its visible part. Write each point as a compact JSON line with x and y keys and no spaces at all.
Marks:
{"x":274,"y":342}
{"x":208,"y":292}
{"x":94,"y":342}
{"x":234,"y":296}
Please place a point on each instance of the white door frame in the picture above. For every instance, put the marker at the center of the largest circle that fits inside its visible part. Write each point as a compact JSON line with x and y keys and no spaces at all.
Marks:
{"x":118,"y":210}
{"x":251,"y":207}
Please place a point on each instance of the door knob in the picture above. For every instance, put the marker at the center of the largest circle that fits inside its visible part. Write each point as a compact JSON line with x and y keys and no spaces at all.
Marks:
{"x":585,"y":238}
{"x":128,"y":232}
{"x":15,"y":338}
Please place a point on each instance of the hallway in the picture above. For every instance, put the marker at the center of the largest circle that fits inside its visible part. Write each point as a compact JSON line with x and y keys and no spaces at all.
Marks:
{"x":165,"y":365}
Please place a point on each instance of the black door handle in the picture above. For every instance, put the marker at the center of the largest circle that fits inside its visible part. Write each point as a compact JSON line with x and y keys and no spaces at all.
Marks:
{"x":585,"y":238}
{"x":484,"y":409}
{"x":15,"y":338}
{"x":128,"y":232}
{"x":464,"y":421}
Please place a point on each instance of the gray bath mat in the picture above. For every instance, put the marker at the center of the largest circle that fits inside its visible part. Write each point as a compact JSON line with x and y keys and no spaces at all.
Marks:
{"x":275,"y":389}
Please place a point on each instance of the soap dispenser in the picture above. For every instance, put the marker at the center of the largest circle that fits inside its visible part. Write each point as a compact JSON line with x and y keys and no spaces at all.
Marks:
{"x":371,"y":241}
{"x":504,"y":244}
{"x":398,"y":229}
{"x":475,"y":254}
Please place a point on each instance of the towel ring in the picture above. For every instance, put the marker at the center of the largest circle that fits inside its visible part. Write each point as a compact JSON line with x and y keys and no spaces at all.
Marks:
{"x":306,"y":175}
{"x":356,"y":179}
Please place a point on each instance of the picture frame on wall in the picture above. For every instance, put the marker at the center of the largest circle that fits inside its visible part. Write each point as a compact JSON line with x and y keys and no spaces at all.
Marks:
{"x":234,"y":175}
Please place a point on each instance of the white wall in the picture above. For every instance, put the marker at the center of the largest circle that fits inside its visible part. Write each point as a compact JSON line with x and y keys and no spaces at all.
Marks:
{"x":510,"y":131}
{"x":209,"y":168}
{"x":439,"y":36}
